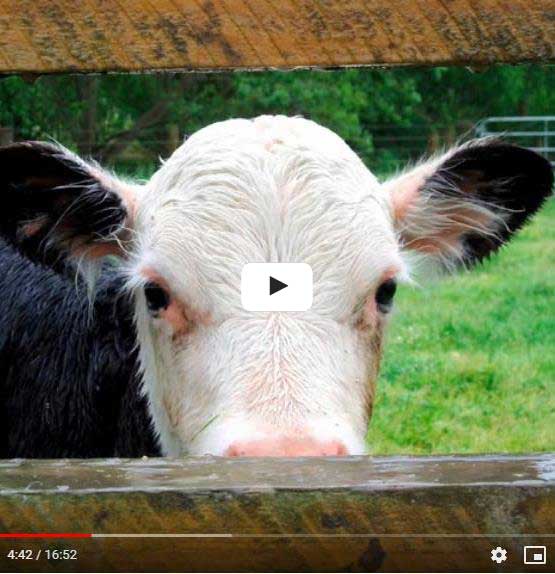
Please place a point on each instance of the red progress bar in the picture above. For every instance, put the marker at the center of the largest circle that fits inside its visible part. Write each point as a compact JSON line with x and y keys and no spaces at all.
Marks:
{"x":44,"y":535}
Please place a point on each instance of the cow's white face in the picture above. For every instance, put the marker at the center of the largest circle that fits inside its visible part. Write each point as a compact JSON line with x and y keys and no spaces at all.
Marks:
{"x":226,"y":381}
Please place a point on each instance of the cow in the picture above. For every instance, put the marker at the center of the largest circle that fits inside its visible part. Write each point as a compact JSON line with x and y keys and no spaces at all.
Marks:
{"x":123,"y":331}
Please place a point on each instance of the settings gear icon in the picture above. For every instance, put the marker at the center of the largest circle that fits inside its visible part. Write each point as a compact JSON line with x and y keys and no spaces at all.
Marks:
{"x":498,"y":555}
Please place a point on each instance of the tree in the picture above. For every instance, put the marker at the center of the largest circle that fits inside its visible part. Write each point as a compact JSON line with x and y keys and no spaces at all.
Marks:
{"x":386,"y":115}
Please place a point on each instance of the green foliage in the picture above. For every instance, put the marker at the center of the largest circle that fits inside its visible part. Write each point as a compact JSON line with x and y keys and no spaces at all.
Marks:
{"x":92,"y":113}
{"x":469,"y":363}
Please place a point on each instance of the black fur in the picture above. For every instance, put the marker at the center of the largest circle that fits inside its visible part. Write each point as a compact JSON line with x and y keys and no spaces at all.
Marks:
{"x":68,"y":379}
{"x":43,"y":185}
{"x":516,"y":180}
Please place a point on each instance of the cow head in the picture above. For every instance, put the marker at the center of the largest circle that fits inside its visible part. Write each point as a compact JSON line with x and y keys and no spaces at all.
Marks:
{"x":226,"y":381}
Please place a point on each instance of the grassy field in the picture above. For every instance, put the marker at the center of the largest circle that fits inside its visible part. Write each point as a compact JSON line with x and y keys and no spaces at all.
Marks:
{"x":470,"y":361}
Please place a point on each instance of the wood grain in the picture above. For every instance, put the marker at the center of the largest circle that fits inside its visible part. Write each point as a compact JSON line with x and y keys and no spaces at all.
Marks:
{"x":290,"y":515}
{"x":47,"y":36}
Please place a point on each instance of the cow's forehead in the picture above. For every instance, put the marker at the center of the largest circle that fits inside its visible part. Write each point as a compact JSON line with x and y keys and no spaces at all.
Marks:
{"x":281,"y":146}
{"x":269,"y":132}
{"x":273,"y":189}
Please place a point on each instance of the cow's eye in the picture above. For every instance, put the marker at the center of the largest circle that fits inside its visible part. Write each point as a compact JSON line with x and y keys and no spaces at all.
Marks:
{"x":385,"y":294}
{"x":157,"y":298}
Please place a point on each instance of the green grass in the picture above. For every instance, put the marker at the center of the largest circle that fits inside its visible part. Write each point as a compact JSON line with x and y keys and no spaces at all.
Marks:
{"x":470,"y":360}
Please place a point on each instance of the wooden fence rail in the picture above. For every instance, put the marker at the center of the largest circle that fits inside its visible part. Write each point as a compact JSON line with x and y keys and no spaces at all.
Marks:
{"x":352,"y":514}
{"x":45,"y":36}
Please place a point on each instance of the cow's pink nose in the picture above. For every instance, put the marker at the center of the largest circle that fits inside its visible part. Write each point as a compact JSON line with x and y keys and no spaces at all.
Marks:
{"x":286,"y":447}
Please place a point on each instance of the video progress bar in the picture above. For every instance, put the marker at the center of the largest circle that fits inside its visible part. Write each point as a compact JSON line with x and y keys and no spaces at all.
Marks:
{"x":59,"y":535}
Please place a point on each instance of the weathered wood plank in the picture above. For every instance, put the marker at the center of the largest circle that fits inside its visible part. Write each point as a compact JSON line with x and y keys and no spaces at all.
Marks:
{"x":348,"y":514}
{"x":45,"y":36}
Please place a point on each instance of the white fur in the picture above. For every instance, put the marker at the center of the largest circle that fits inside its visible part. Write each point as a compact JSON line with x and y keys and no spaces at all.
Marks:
{"x":273,"y":189}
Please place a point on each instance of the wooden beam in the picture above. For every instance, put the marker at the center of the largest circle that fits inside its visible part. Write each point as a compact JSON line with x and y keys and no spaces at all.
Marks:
{"x":47,"y":36}
{"x":352,"y":514}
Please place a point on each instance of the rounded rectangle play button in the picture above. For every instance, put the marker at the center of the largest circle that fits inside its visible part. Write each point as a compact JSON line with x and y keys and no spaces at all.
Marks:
{"x":276,"y":287}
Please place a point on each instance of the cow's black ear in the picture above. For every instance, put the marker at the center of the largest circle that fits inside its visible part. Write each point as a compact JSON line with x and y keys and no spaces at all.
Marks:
{"x":461,"y":207}
{"x":53,"y":203}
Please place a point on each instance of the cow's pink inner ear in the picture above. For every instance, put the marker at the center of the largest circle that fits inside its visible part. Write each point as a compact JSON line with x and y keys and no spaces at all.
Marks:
{"x":56,"y":202}
{"x":404,"y":194}
{"x":435,"y":225}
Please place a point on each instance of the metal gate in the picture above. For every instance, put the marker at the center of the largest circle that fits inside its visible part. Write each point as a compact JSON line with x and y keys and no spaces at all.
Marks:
{"x":534,"y":132}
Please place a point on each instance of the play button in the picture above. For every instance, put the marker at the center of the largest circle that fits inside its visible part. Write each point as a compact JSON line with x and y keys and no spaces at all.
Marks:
{"x":261,"y":290}
{"x":276,"y":285}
